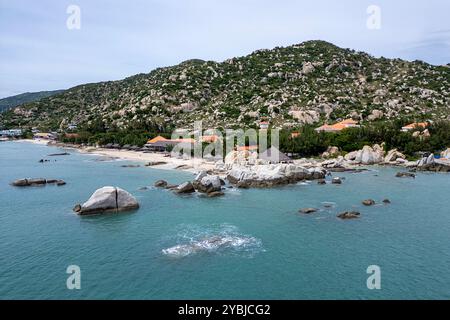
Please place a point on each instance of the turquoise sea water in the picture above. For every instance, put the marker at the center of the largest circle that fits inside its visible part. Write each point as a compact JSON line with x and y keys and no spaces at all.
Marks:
{"x":274,"y":253}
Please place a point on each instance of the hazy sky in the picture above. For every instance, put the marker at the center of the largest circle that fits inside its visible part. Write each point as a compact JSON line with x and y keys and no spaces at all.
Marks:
{"x":119,"y":38}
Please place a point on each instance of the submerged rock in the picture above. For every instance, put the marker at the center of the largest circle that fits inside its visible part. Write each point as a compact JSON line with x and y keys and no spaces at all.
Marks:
{"x":108,"y":199}
{"x":386,"y":201}
{"x":336,"y":180}
{"x":60,"y":183}
{"x":155,"y":163}
{"x":161,"y":184}
{"x":59,"y":154}
{"x":29,"y":182}
{"x":349,"y":215}
{"x":215,"y":194}
{"x":405,"y":175}
{"x":308,"y":210}
{"x":368,"y":202}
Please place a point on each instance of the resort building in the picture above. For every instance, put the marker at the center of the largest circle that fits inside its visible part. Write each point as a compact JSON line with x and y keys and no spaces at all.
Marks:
{"x":415,"y":126}
{"x":337,"y":127}
{"x":44,"y":136}
{"x":273,"y":155}
{"x":11,"y":133}
{"x":162,"y":144}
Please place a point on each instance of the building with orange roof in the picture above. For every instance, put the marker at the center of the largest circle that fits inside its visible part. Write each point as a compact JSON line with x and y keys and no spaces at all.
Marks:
{"x":415,"y":125}
{"x":337,"y":127}
{"x":157,"y":139}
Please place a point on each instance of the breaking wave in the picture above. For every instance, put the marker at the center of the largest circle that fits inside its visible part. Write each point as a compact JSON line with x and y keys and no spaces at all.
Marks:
{"x":219,"y":239}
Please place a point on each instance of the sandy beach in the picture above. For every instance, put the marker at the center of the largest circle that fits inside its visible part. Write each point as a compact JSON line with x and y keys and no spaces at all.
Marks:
{"x":167,"y":162}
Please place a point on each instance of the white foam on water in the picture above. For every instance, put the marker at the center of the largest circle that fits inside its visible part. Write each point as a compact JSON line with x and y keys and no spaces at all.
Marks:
{"x":224,"y":238}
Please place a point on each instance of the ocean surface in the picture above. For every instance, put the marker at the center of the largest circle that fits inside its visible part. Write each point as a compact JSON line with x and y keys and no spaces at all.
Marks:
{"x":249,"y":244}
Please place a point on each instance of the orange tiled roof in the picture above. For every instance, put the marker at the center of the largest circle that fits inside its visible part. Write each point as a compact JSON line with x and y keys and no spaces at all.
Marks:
{"x":157,"y":139}
{"x":416,"y":125}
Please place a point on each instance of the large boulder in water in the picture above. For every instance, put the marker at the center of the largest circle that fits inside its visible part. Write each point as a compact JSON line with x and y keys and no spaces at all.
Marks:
{"x":29,"y":182}
{"x":186,"y":187}
{"x":208,"y":184}
{"x":108,"y":199}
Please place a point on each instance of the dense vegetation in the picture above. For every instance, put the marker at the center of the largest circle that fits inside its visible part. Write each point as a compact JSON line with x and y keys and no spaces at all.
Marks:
{"x":308,"y":144}
{"x":308,"y":83}
{"x":312,"y":143}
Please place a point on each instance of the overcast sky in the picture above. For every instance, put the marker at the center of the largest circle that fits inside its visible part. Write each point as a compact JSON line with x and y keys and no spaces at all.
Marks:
{"x":119,"y":38}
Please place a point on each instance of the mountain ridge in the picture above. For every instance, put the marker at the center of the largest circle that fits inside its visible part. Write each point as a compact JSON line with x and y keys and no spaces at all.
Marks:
{"x":310,"y":82}
{"x":19,"y":99}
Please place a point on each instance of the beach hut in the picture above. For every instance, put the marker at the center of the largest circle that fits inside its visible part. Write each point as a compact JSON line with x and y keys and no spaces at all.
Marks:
{"x":273,"y":155}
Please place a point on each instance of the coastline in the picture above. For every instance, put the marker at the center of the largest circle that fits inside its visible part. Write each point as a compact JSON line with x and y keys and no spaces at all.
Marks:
{"x":170,"y":163}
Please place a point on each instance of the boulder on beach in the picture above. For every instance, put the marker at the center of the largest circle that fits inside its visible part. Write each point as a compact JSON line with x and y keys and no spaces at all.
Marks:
{"x":161,"y":184}
{"x":394,"y":155}
{"x":264,"y":176}
{"x":108,"y":199}
{"x":348,"y":215}
{"x":370,"y":155}
{"x":186,"y":187}
{"x":330,"y":152}
{"x":368,"y":202}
